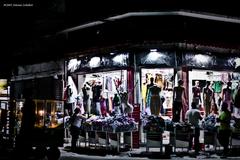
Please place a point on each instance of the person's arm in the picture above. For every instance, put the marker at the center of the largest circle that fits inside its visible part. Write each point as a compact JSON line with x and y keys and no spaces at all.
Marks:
{"x":82,"y":116}
{"x":222,"y":94}
{"x":200,"y":97}
{"x":200,"y":116}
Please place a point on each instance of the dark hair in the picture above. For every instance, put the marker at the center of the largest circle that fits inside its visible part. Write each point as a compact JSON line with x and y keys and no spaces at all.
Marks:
{"x":194,"y":105}
{"x":208,"y":83}
{"x":180,"y":82}
{"x":224,"y":106}
{"x":77,"y":110}
{"x":229,"y":83}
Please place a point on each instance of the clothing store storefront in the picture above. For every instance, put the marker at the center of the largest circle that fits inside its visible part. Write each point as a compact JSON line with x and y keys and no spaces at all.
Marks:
{"x":98,"y":81}
{"x":158,"y":66}
{"x":101,"y":86}
{"x":208,"y":76}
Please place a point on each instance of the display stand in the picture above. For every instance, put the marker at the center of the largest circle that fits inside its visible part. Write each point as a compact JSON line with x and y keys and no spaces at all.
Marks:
{"x":154,"y":140}
{"x":114,"y":140}
{"x":102,"y":138}
{"x":108,"y":139}
{"x":210,"y":138}
{"x":235,"y":138}
{"x":182,"y":136}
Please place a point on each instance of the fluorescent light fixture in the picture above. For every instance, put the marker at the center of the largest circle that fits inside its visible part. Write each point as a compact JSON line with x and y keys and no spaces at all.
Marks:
{"x":153,"y":55}
{"x":237,"y":62}
{"x":153,"y":50}
{"x":202,"y":58}
{"x":73,"y":64}
{"x":120,"y":59}
{"x":94,"y":62}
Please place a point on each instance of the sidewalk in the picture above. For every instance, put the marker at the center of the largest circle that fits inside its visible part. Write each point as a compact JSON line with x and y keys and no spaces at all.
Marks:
{"x":141,"y":153}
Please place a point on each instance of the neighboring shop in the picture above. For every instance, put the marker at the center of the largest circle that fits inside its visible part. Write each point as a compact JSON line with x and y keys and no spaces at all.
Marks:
{"x":45,"y":83}
{"x":4,"y":110}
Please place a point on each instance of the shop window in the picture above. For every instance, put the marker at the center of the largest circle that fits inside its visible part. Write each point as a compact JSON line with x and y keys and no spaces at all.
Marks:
{"x":217,"y":81}
{"x":163,"y":78}
{"x":97,"y":90}
{"x":49,"y":113}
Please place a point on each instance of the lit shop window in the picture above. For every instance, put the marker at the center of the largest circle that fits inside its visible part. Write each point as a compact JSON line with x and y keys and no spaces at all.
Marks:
{"x":49,"y":113}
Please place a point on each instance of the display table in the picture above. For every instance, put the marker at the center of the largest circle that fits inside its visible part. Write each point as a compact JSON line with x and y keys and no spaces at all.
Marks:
{"x":210,"y":138}
{"x":107,"y":139}
{"x":108,"y":132}
{"x":182,"y":134}
{"x":154,"y":140}
{"x":235,"y":138}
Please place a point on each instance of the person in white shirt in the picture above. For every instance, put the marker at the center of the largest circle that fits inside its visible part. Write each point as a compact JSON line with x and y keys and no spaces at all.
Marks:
{"x":193,"y":116}
{"x":75,"y":128}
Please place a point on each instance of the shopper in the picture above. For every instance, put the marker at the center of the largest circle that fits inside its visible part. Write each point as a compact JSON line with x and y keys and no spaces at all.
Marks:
{"x":224,"y":131}
{"x":179,"y":97}
{"x":75,"y":128}
{"x":85,"y":90}
{"x":236,"y":111}
{"x":69,"y":100}
{"x":193,"y":116}
{"x":24,"y":139}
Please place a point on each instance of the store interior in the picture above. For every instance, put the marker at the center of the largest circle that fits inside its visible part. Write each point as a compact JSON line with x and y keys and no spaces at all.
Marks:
{"x":100,"y":91}
{"x":217,"y":79}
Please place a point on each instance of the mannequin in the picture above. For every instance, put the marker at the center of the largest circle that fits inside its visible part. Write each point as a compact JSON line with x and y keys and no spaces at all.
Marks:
{"x":127,"y":107}
{"x":154,"y":100}
{"x":208,"y":97}
{"x":70,"y":100}
{"x":179,"y":97}
{"x":227,"y":95}
{"x":236,"y":112}
{"x":103,"y":106}
{"x":116,"y":104}
{"x":196,"y":90}
{"x":85,"y":97}
{"x":97,"y":89}
{"x":149,"y":85}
